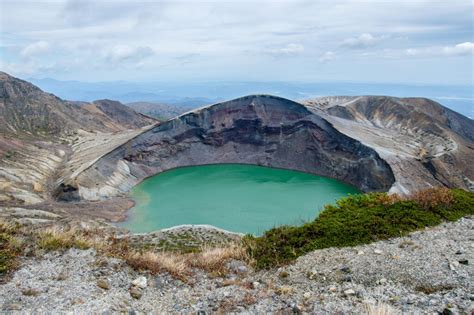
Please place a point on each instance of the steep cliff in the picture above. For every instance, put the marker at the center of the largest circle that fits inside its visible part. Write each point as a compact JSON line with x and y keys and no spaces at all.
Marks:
{"x":259,"y":129}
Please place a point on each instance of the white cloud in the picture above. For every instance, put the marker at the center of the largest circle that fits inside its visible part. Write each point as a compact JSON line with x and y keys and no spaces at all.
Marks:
{"x":288,"y":50}
{"x":34,"y":49}
{"x":461,"y":49}
{"x":362,"y":41}
{"x":105,"y":39}
{"x":120,"y":53}
{"x":327,"y":56}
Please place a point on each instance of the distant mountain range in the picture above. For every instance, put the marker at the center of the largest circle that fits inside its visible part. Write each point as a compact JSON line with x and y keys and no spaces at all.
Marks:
{"x":192,"y":95}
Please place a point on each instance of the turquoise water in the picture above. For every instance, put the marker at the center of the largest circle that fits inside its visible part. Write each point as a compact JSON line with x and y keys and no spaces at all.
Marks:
{"x":235,"y":197}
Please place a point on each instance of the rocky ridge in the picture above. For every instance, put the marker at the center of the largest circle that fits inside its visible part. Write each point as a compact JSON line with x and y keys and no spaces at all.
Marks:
{"x":424,"y":143}
{"x":257,"y":129}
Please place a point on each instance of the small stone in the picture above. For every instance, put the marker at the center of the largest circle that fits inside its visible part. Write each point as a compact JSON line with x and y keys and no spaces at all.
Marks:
{"x":103,"y":284}
{"x":332,"y":289}
{"x":377,"y":251}
{"x":382,"y":281}
{"x":307,"y":295}
{"x":346,"y":269}
{"x":255,"y":284}
{"x":459,"y":252}
{"x":349,"y":292}
{"x":242,"y":269}
{"x":464,"y":262}
{"x":296,"y":309}
{"x":14,"y":307}
{"x":311,"y":275}
{"x":135,"y":293}
{"x":447,"y":311}
{"x":451,"y":267}
{"x":360,"y":252}
{"x":140,"y":282}
{"x":61,"y":276}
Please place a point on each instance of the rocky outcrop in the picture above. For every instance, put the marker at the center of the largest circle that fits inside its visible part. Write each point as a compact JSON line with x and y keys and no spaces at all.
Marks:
{"x":425,"y":143}
{"x":262,"y":130}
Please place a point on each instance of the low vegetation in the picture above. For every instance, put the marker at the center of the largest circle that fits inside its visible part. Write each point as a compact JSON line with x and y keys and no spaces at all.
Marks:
{"x":360,"y":219}
{"x":355,"y":220}
{"x":14,"y":239}
{"x":10,"y":247}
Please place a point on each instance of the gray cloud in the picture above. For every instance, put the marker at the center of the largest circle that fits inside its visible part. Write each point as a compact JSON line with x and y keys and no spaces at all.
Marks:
{"x":36,"y":48}
{"x":461,"y":49}
{"x":327,"y":56}
{"x":291,"y":49}
{"x":121,"y":53}
{"x":231,"y":38}
{"x":362,"y":41}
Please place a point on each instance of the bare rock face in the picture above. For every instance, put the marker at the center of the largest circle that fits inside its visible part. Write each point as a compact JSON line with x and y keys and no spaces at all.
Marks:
{"x":261,"y":130}
{"x":425,"y":143}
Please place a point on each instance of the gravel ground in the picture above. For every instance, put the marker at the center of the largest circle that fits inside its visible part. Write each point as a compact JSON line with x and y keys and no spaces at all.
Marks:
{"x":429,"y":271}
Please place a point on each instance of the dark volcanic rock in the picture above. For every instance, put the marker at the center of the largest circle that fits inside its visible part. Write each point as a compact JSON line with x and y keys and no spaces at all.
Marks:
{"x":261,"y":130}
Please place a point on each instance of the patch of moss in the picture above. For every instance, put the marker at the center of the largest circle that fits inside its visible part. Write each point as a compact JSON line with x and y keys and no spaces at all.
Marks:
{"x":356,"y":220}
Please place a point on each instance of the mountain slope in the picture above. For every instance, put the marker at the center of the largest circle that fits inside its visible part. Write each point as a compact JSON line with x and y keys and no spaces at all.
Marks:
{"x":43,"y":137}
{"x":425,"y":143}
{"x":24,"y":108}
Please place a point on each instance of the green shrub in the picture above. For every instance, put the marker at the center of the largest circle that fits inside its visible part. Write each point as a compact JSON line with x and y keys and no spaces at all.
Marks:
{"x":360,"y":219}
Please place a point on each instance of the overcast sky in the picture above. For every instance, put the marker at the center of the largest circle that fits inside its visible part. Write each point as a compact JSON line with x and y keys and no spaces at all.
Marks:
{"x":400,"y":41}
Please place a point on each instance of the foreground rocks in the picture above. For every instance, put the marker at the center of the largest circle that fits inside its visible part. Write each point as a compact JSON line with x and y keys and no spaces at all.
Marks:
{"x":429,"y":271}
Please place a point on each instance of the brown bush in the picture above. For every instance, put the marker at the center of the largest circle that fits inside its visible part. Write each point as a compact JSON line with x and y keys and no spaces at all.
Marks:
{"x":388,"y":200}
{"x":433,"y":197}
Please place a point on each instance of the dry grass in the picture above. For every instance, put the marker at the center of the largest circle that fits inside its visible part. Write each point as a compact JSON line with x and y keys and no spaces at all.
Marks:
{"x":379,"y":309}
{"x":285,"y":290}
{"x":388,"y":200}
{"x":177,"y":264}
{"x":427,"y":198}
{"x":214,"y":259}
{"x":433,"y":197}
{"x":54,"y":238}
{"x":174,"y":264}
{"x":11,"y":246}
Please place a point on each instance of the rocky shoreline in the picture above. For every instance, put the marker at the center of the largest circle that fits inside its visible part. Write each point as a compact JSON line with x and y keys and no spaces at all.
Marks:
{"x":426,"y":272}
